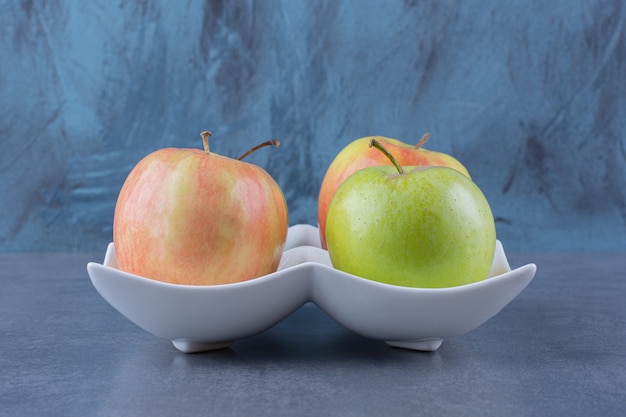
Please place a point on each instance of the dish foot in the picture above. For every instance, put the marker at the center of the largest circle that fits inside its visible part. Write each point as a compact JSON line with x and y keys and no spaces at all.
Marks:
{"x":426,"y":345}
{"x":191,"y":346}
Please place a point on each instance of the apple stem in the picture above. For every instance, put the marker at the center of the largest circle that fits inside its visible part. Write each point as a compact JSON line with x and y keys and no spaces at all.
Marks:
{"x":376,"y":144}
{"x":423,"y":140}
{"x":205,"y":140}
{"x":273,"y":142}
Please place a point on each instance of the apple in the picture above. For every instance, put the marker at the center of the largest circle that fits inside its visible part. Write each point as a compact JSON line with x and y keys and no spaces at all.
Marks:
{"x":188,"y":216}
{"x":419,"y":226}
{"x":358,"y":155}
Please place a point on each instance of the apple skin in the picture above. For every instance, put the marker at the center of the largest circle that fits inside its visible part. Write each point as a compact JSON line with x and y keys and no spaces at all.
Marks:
{"x":358,"y":155}
{"x":188,"y":216}
{"x":430,"y":227}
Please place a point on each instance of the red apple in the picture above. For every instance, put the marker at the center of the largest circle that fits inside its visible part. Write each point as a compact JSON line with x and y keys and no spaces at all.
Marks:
{"x":188,"y":216}
{"x":358,"y":155}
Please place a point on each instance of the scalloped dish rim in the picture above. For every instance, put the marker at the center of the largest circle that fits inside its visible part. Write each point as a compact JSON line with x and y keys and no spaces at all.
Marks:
{"x":305,"y":274}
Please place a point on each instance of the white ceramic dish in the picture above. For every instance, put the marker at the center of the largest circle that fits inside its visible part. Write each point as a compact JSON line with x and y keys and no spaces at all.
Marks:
{"x":199,"y":318}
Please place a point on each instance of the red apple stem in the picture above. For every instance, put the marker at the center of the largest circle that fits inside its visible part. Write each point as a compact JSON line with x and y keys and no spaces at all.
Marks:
{"x":423,"y":140}
{"x":274,"y":142}
{"x":376,"y":144}
{"x":205,"y":140}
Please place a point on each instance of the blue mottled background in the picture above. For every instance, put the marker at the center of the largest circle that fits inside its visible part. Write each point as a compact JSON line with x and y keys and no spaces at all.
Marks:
{"x":529,"y":94}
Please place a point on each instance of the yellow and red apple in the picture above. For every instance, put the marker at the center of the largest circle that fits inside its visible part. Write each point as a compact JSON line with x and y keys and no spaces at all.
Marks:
{"x":358,"y":155}
{"x":188,"y":216}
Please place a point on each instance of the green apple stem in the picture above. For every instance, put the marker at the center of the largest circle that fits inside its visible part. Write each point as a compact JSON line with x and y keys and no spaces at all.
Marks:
{"x":376,"y":144}
{"x":274,"y":142}
{"x":205,"y":140}
{"x":423,"y":140}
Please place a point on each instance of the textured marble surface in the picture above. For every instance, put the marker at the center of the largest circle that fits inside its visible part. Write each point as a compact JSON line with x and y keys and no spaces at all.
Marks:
{"x":529,"y":95}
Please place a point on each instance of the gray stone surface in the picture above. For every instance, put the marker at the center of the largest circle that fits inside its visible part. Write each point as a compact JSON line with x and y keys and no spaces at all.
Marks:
{"x":557,"y":349}
{"x":529,"y":95}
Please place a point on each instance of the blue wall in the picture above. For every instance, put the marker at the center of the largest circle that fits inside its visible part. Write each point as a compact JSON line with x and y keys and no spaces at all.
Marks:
{"x":529,"y":94}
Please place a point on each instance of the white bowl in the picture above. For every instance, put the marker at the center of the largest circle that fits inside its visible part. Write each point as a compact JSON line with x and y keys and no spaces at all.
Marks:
{"x":199,"y":318}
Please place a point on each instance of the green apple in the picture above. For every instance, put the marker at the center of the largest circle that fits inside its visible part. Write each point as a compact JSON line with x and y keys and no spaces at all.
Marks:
{"x":358,"y":155}
{"x":421,"y":226}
